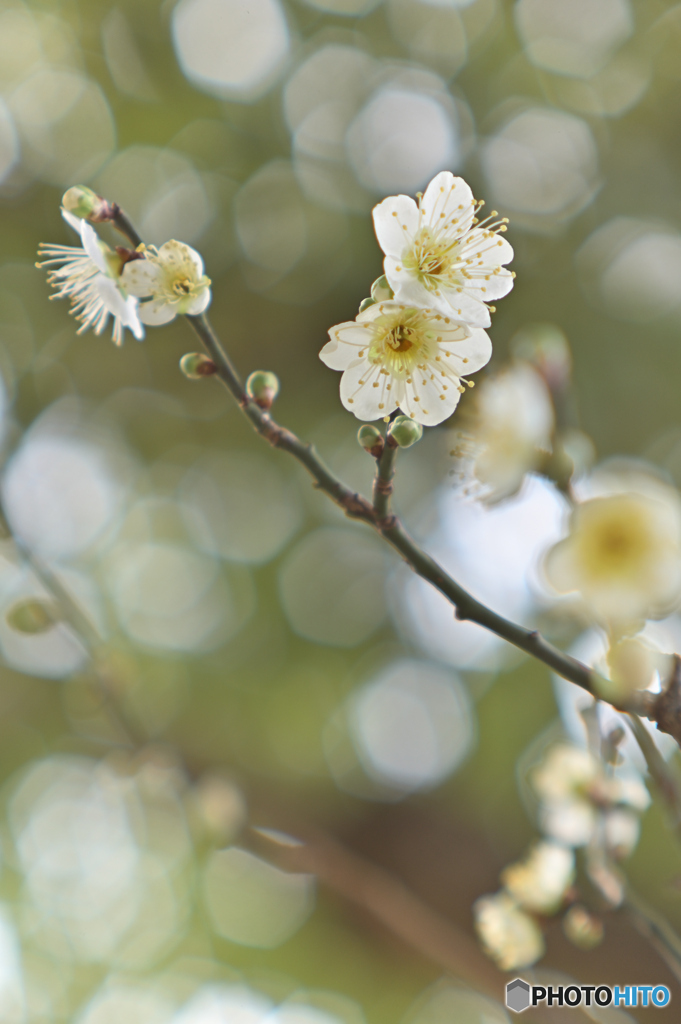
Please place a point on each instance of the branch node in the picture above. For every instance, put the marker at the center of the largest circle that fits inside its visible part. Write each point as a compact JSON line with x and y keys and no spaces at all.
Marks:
{"x":667,"y":706}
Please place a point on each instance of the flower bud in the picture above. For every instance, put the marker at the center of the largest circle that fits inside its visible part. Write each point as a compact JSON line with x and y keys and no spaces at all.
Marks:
{"x":263,"y":387}
{"x":381,"y":290}
{"x":582,"y":929}
{"x":33,"y":615}
{"x":82,"y":202}
{"x":405,"y":432}
{"x":195,"y":365}
{"x":365,"y":303}
{"x":370,"y":439}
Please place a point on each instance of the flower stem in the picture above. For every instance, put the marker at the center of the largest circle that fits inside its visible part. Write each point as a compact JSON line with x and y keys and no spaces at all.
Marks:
{"x":383,"y":481}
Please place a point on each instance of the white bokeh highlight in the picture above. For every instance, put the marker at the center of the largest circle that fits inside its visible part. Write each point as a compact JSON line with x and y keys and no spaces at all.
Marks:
{"x":229,"y":48}
{"x":493,"y":551}
{"x":412,"y":725}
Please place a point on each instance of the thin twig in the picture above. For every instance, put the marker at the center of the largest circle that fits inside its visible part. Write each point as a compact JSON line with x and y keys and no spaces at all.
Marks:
{"x":358,"y":507}
{"x":658,"y":769}
{"x":383,"y":481}
{"x":661,"y":709}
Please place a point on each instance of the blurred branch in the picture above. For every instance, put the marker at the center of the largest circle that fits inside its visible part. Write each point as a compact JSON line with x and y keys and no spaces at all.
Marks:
{"x":87,"y":634}
{"x":653,"y":927}
{"x":660,"y":772}
{"x":388,"y":900}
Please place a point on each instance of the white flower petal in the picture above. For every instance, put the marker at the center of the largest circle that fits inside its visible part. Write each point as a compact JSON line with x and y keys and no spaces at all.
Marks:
{"x":93,"y":246}
{"x":491,"y":286}
{"x":407,"y":288}
{"x":364,"y":391}
{"x":174,"y":251}
{"x":463,"y":306}
{"x":124,"y":309}
{"x":396,"y":221}
{"x":141,"y":277}
{"x":494,"y":249}
{"x":448,"y":199}
{"x":427,"y":401}
{"x":199,"y":303}
{"x":469,"y":354}
{"x":347,"y":340}
{"x":156,"y":312}
{"x":74,"y":222}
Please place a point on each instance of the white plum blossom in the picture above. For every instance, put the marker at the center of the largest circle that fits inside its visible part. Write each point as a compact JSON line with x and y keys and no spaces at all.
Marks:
{"x":401,"y":356}
{"x":90,"y":277}
{"x":438,"y":255}
{"x":582,"y":804}
{"x":623,"y":556}
{"x":510,"y":936}
{"x":510,"y":432}
{"x":171,"y":280}
{"x":540,"y":882}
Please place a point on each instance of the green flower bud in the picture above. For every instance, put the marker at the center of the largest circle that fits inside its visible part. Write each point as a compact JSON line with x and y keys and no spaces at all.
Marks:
{"x":405,"y":432}
{"x":195,"y":365}
{"x":82,"y":202}
{"x":381,"y":290}
{"x":33,"y":615}
{"x":365,"y":303}
{"x":370,"y":439}
{"x":583,"y":929}
{"x":263,"y":387}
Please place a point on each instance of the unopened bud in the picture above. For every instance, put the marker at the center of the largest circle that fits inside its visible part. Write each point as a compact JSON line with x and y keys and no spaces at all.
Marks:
{"x":195,"y":365}
{"x":370,"y":439}
{"x":583,"y":929}
{"x":82,"y":202}
{"x":381,"y":290}
{"x":33,"y":615}
{"x":405,"y":431}
{"x":366,"y":303}
{"x":263,"y":387}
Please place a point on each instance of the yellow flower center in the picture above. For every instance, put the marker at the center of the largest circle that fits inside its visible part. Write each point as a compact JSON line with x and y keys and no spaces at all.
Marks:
{"x":401,"y":340}
{"x":617,"y":537}
{"x":183,"y":286}
{"x":432,"y":259}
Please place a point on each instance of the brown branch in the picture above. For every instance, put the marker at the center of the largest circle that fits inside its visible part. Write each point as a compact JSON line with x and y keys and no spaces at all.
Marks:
{"x":665,"y":710}
{"x":388,"y":900}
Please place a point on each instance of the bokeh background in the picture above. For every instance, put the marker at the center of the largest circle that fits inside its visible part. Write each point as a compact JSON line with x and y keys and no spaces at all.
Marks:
{"x":276,"y":666}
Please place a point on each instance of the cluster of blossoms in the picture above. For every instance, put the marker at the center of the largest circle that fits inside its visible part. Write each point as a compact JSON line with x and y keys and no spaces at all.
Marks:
{"x":582,"y":804}
{"x":134,"y":286}
{"x":423,"y":327}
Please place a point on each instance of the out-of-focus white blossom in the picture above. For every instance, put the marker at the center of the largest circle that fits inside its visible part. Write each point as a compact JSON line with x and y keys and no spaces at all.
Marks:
{"x":510,"y":432}
{"x":623,"y":551}
{"x":91,"y":278}
{"x":436,"y":256}
{"x":398,"y":356}
{"x":540,"y":882}
{"x":580,"y":803}
{"x":171,"y":280}
{"x":510,"y":936}
{"x":566,"y":771}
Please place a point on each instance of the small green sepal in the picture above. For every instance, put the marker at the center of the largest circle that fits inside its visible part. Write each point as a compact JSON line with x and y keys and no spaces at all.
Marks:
{"x":381,"y":290}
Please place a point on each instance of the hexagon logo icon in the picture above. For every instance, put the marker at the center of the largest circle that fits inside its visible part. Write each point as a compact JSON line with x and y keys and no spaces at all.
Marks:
{"x":517,"y":995}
